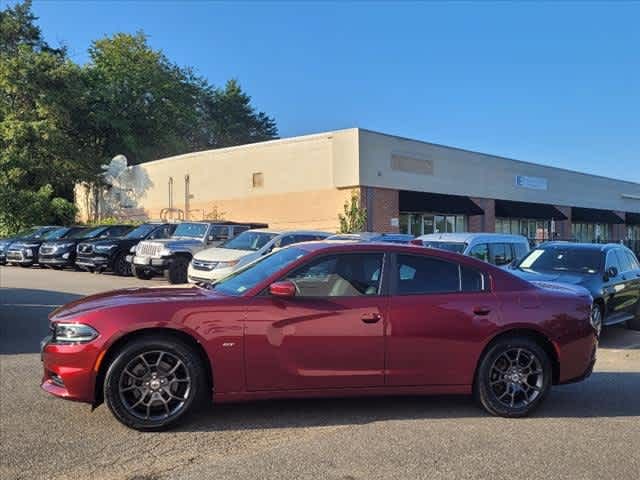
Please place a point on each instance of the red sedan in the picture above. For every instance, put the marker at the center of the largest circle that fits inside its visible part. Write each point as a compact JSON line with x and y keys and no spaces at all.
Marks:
{"x":323,"y":319}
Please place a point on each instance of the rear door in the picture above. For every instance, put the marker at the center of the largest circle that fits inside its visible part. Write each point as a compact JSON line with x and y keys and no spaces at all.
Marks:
{"x":628,"y":274}
{"x":615,"y":291}
{"x":501,"y":254}
{"x":437,"y":313}
{"x":329,"y":335}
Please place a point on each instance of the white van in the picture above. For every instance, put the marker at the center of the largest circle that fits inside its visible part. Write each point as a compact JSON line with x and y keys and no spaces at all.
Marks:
{"x":496,"y":248}
{"x":214,"y":263}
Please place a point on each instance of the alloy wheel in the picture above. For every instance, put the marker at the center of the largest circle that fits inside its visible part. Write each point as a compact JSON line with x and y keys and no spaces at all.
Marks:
{"x":516,"y":378}
{"x":154,"y":385}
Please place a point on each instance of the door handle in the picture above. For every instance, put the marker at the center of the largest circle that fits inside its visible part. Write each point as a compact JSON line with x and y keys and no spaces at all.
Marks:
{"x":371,"y":317}
{"x":482,"y":310}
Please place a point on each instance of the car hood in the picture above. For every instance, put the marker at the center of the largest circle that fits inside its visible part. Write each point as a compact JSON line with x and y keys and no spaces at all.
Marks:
{"x":64,"y":240}
{"x":560,"y":277}
{"x":111,"y":241}
{"x":221,"y":254}
{"x":176,"y":243}
{"x":130,"y":296}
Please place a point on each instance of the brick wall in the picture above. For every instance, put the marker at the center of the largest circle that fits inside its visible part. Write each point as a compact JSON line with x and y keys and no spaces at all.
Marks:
{"x":486,"y":222}
{"x":382,"y":206}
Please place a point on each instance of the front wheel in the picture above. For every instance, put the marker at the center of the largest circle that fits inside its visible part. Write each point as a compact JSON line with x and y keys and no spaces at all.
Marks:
{"x":154,"y":382}
{"x":513,"y":377}
{"x":141,"y":273}
{"x":120,"y":265}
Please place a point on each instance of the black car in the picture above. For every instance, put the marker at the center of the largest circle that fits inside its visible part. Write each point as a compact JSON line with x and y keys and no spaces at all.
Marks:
{"x":610,"y":272}
{"x":62,"y":253}
{"x":32,"y":233}
{"x":111,"y":253}
{"x":25,"y":252}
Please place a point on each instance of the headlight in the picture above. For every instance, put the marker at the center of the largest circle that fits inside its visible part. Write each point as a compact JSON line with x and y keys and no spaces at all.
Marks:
{"x":104,"y":248}
{"x":73,"y":333}
{"x":229,"y":264}
{"x":165,"y":252}
{"x":60,"y":246}
{"x":133,"y":249}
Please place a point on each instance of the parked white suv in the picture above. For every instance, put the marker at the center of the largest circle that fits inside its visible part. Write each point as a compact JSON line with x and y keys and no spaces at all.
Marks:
{"x":212,"y":264}
{"x":496,"y":248}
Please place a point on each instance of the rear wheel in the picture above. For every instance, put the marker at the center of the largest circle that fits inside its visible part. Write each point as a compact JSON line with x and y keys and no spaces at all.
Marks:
{"x":513,"y":377}
{"x":121,"y":266}
{"x":178,"y":270}
{"x":141,"y":273}
{"x":153,"y":382}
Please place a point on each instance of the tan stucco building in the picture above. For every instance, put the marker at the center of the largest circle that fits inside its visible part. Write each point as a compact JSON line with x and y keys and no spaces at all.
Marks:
{"x":407,"y":185}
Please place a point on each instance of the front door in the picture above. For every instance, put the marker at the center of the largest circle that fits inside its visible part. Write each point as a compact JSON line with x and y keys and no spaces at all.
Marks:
{"x":330,"y":335}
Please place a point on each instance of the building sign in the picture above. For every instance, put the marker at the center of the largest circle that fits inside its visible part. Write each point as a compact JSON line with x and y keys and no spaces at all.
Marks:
{"x":533,"y":183}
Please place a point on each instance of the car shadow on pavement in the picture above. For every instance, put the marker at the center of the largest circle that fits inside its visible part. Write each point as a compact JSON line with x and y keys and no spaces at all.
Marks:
{"x":604,"y":394}
{"x":24,"y":317}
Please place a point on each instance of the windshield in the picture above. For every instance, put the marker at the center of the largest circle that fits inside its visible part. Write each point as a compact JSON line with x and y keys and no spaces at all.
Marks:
{"x":29,"y":232}
{"x":191,"y":230}
{"x":141,"y":231}
{"x":558,"y":259}
{"x":450,"y":246}
{"x":249,"y":241}
{"x":56,"y":234}
{"x":90,"y":233}
{"x":248,"y":277}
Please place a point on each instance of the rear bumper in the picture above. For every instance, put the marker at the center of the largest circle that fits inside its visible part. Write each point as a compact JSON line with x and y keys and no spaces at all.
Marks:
{"x":575,"y":365}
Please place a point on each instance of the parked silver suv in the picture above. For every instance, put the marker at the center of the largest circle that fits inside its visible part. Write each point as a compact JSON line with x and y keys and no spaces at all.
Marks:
{"x":171,"y":256}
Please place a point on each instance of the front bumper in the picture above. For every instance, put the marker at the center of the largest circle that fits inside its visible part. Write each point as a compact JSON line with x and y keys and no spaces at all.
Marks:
{"x":69,"y":370}
{"x":95,"y":261}
{"x":20,"y":257}
{"x":58,"y":259}
{"x":158,"y":265}
{"x":207,"y":276}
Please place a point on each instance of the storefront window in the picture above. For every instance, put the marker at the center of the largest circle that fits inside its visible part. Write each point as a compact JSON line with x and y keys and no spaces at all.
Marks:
{"x":590,"y":232}
{"x":537,"y":230}
{"x":423,"y":223}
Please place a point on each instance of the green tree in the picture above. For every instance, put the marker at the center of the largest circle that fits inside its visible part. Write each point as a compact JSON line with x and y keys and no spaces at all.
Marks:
{"x":354,"y":218}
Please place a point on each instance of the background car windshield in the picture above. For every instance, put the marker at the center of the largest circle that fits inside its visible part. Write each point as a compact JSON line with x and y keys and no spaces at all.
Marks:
{"x":55,"y":234}
{"x":192,"y":230}
{"x":91,"y":233}
{"x":249,"y":241}
{"x":246,"y":278}
{"x":563,"y":260}
{"x":29,"y":232}
{"x":141,"y":231}
{"x":450,"y":246}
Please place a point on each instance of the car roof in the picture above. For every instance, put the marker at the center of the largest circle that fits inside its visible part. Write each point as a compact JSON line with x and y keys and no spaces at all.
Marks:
{"x":466,"y":237}
{"x":289,"y":232}
{"x":603,"y":247}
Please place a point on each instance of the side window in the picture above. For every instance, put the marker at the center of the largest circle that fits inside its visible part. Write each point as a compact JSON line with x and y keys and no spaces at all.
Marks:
{"x":472,"y":280}
{"x":219,"y":232}
{"x":348,"y":275}
{"x":520,"y":249}
{"x":500,"y":253}
{"x":480,"y":251}
{"x":116,"y":231}
{"x":417,"y":275}
{"x":284,"y":241}
{"x":634,"y":261}
{"x":238,"y":229}
{"x":162,"y":232}
{"x":612,"y":261}
{"x":305,"y":238}
{"x":624,"y":261}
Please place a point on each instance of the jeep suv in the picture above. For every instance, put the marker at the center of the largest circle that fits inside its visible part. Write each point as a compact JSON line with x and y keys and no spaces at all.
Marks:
{"x":110,"y":253}
{"x":171,"y":256}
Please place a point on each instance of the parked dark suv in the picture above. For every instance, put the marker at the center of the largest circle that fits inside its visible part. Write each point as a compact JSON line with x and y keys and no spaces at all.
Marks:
{"x":25,"y":252}
{"x":110,"y":253}
{"x":62,"y":253}
{"x":28,"y":234}
{"x":610,"y":272}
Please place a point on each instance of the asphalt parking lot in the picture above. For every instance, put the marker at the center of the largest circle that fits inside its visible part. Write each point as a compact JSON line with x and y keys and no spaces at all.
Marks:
{"x":589,"y":430}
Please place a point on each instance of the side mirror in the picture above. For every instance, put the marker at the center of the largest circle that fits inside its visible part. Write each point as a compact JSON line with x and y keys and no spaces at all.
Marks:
{"x":611,"y":272}
{"x":284,"y":289}
{"x":514,"y":263}
{"x":210,"y":238}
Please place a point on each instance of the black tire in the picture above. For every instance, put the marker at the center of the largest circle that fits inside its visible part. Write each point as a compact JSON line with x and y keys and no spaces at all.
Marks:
{"x":122,"y":390}
{"x":634,"y":323}
{"x":500,"y":385}
{"x":120,"y":265}
{"x":141,"y":273}
{"x":177,"y":272}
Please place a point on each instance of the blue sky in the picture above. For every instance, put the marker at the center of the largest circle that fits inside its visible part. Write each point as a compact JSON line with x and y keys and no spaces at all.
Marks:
{"x":553,"y":83}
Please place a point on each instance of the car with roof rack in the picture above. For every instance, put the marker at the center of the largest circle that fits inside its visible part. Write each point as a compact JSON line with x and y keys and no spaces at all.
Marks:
{"x":171,"y":256}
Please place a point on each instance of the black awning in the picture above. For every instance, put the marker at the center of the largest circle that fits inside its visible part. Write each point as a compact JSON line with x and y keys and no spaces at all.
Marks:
{"x":633,"y":218}
{"x":437,"y":203}
{"x":542,"y":211}
{"x":594,"y":215}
